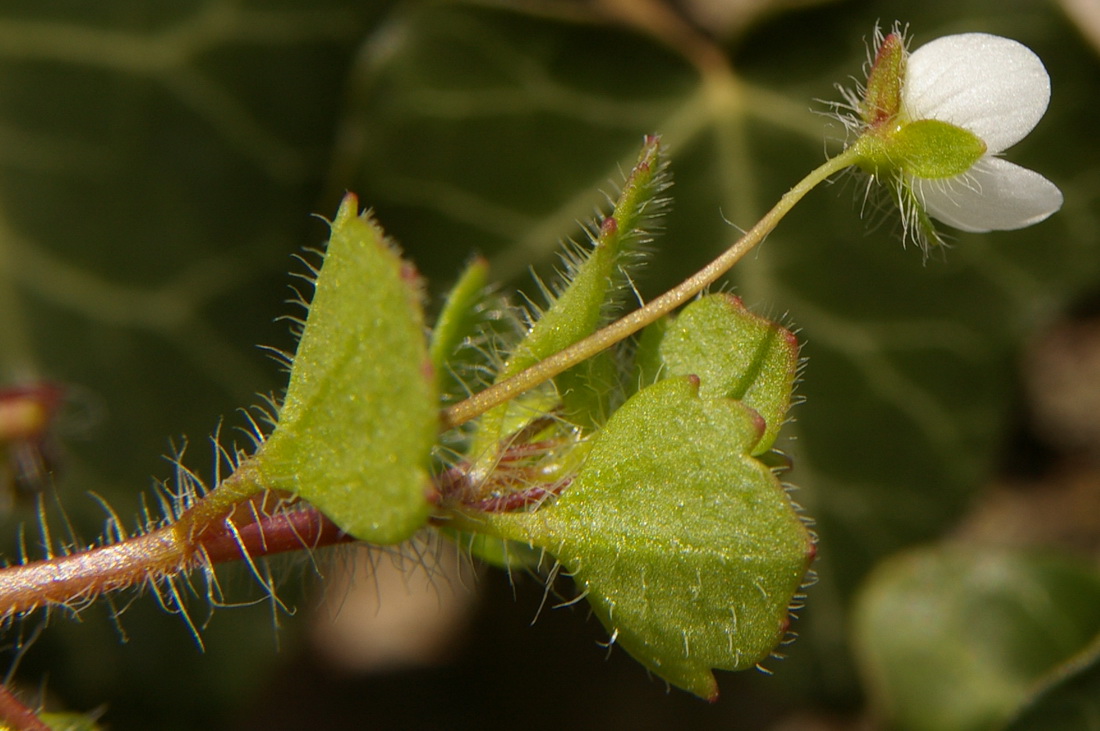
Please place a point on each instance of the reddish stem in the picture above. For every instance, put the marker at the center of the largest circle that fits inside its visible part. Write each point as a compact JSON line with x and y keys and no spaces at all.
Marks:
{"x":521,"y":498}
{"x":78,"y":577}
{"x":17,"y":716}
{"x":293,"y":531}
{"x":73,"y":579}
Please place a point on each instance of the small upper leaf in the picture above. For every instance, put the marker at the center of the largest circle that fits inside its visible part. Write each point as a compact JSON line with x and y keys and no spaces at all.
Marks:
{"x":735,"y":354}
{"x":688,"y":549}
{"x":361,"y":414}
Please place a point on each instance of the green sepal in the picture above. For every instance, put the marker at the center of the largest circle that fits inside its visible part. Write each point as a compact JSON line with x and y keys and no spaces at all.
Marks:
{"x":927,"y":148}
{"x":931,"y":149}
{"x":688,"y":549}
{"x":356,"y":428}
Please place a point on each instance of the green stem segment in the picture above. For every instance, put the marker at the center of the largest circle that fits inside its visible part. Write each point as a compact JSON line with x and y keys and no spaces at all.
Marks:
{"x":631,"y":323}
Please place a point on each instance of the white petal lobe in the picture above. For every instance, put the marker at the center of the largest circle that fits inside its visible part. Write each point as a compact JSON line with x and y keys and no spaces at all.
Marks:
{"x":995,"y":195}
{"x":993,"y":86}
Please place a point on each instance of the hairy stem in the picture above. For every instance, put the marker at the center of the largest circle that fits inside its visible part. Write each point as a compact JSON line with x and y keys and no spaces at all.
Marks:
{"x":79,"y":577}
{"x":631,"y":323}
{"x":228,"y":524}
{"x":269,"y":535}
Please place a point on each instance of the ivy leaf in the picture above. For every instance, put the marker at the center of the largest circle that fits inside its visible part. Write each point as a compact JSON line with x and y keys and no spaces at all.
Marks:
{"x":957,"y":636}
{"x":687,"y":548}
{"x":736,"y":355}
{"x":356,"y":428}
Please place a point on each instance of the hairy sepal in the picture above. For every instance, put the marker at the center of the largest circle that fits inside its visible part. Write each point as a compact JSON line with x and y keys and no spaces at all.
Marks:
{"x":356,"y":428}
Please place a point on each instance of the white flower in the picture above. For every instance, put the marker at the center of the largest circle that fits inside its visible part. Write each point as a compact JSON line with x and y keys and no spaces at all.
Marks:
{"x":997,"y":89}
{"x":933,"y":123}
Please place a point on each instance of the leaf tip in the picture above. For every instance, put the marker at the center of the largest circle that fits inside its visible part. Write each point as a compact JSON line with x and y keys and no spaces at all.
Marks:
{"x":759,"y":423}
{"x":703,"y":684}
{"x":349,"y":208}
{"x":735,"y":302}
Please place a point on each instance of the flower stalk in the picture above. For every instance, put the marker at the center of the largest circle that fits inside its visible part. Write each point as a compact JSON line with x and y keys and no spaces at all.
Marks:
{"x":634,"y":321}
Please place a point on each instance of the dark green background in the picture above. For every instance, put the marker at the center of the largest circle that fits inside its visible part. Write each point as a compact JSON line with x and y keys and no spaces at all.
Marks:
{"x":159,"y":166}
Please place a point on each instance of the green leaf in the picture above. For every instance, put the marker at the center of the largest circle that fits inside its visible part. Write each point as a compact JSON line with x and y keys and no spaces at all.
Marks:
{"x":736,"y":355}
{"x":955,"y":637}
{"x":597,"y":276}
{"x":356,"y":428}
{"x":648,"y":365}
{"x":688,"y":549}
{"x":460,"y":323}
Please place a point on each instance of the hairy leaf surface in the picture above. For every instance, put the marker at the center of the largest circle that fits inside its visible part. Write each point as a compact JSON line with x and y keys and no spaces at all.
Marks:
{"x":360,"y":416}
{"x":688,"y":549}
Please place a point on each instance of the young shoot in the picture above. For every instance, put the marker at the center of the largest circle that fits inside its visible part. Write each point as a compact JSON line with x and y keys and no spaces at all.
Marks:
{"x":646,"y":471}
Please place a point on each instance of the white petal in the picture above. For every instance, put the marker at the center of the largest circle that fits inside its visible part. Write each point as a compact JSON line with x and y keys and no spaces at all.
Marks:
{"x":994,"y":195}
{"x":994,"y":87}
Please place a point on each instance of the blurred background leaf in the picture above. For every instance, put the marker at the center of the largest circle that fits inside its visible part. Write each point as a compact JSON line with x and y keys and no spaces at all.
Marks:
{"x":956,"y":637}
{"x":158,"y":167}
{"x":1070,"y":698}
